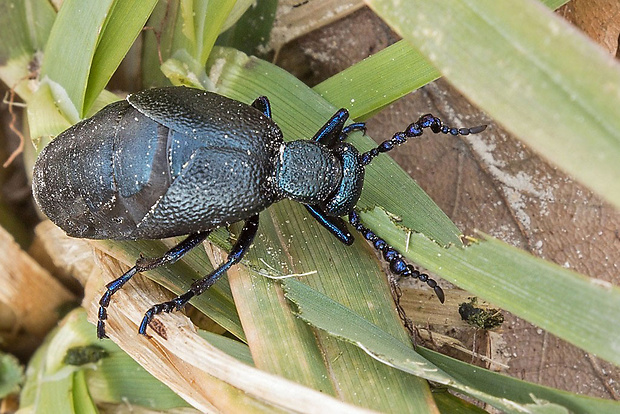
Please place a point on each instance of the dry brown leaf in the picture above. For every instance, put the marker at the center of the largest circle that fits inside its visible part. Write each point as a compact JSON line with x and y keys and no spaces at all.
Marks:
{"x":207,"y":378}
{"x":30,"y":295}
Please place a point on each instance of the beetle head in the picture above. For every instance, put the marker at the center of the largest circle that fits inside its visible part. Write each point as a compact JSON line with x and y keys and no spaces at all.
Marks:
{"x":344,"y":198}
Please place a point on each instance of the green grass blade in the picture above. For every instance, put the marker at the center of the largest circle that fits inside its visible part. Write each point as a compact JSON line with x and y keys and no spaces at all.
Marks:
{"x":43,"y":122}
{"x":214,"y":11}
{"x":232,"y":347}
{"x":25,"y":29}
{"x":186,"y":33}
{"x":159,"y":43}
{"x":378,"y":80}
{"x":505,"y":393}
{"x":71,"y":47}
{"x":517,"y":390}
{"x":86,"y":44}
{"x":531,"y":71}
{"x":349,"y":274}
{"x":203,"y":21}
{"x":250,"y":34}
{"x":119,"y":378}
{"x":451,"y":404}
{"x":82,"y":401}
{"x":122,"y":27}
{"x":262,"y":310}
{"x":576,"y":308}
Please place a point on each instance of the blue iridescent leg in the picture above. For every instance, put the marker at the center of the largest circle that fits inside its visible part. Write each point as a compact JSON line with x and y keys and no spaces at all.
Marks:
{"x":142,"y":265}
{"x":236,"y":254}
{"x":329,"y":134}
{"x":335,"y":225}
{"x":334,"y":130}
{"x":397,"y":265}
{"x":262,"y":104}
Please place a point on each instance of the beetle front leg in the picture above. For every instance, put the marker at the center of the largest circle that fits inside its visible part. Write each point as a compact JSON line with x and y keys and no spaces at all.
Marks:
{"x":335,"y":225}
{"x":142,"y":265}
{"x":236,"y":254}
{"x":357,"y":126}
{"x":262,"y":104}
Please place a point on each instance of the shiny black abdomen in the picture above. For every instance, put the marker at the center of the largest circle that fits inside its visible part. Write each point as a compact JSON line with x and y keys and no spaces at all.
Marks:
{"x":165,"y":162}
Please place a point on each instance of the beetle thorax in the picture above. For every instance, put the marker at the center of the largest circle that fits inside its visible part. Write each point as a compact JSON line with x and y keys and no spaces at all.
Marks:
{"x":307,"y":172}
{"x":310,"y":173}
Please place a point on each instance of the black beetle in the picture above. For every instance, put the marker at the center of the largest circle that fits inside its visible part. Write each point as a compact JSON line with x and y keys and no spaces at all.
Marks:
{"x":181,"y":161}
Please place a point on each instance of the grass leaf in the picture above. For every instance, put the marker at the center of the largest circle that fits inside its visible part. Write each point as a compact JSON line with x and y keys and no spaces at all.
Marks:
{"x":576,"y":308}
{"x":505,"y":393}
{"x":90,"y":37}
{"x":531,"y":71}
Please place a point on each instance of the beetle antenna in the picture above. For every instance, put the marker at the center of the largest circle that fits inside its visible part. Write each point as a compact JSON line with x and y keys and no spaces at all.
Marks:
{"x":415,"y":130}
{"x":398,"y":266}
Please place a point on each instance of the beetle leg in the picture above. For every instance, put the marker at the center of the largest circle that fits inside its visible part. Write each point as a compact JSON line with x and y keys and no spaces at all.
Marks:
{"x":142,"y":265}
{"x":262,"y":104}
{"x":335,"y":225}
{"x":329,"y":134}
{"x":415,"y":130}
{"x":236,"y":254}
{"x":397,"y":265}
{"x":357,"y":126}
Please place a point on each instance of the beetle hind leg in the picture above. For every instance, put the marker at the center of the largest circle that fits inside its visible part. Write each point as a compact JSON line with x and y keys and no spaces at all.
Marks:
{"x":236,"y":254}
{"x":142,"y":265}
{"x":398,"y":266}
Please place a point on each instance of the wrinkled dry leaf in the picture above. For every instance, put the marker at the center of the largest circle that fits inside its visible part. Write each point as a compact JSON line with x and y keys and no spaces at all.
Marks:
{"x":296,"y":18}
{"x":72,"y":258}
{"x":30,"y":294}
{"x":204,"y":376}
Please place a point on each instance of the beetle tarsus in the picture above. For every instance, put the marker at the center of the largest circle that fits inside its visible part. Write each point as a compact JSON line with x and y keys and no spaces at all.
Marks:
{"x":142,"y":265}
{"x":236,"y":254}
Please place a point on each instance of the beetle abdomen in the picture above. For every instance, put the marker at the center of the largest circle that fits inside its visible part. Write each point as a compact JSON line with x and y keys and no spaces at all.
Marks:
{"x":123,"y":174}
{"x":101,"y":176}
